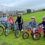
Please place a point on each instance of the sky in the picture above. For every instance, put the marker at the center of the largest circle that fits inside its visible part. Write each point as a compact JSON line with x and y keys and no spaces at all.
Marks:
{"x":22,"y":4}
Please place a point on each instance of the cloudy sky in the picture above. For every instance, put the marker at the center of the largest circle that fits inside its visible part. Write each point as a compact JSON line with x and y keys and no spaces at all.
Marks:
{"x":22,"y":4}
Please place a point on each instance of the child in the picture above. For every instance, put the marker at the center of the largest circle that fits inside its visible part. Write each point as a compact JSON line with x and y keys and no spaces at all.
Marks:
{"x":11,"y":21}
{"x":4,"y":20}
{"x":43,"y":24}
{"x":19,"y":20}
{"x":33,"y":24}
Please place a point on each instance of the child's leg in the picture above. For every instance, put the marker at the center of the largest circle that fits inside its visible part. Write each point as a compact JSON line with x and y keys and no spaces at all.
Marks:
{"x":19,"y":26}
{"x":44,"y":31}
{"x":34,"y":29}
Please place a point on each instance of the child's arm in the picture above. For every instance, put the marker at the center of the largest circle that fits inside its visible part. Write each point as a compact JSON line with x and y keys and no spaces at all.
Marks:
{"x":16,"y":20}
{"x":30,"y":25}
{"x":40,"y":24}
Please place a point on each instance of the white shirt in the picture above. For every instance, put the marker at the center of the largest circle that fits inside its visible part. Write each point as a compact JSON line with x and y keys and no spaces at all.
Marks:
{"x":4,"y":19}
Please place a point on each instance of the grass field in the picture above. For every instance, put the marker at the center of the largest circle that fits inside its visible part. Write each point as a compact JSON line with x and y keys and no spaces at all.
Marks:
{"x":11,"y":40}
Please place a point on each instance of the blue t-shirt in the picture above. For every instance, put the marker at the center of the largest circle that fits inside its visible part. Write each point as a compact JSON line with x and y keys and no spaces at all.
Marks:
{"x":33,"y":25}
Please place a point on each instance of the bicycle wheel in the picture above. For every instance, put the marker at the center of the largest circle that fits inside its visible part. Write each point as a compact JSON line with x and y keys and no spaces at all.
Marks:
{"x":6,"y":32}
{"x":1,"y":30}
{"x":25,"y":35}
{"x":36,"y":36}
{"x":17,"y":33}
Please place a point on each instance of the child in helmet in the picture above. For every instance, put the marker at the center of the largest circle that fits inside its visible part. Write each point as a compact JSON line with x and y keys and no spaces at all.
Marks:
{"x":19,"y":20}
{"x":33,"y":24}
{"x":43,"y":24}
{"x":11,"y":21}
{"x":4,"y":20}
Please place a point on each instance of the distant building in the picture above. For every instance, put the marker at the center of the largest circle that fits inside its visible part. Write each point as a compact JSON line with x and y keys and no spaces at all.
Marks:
{"x":1,"y":13}
{"x":28,"y":10}
{"x":21,"y":12}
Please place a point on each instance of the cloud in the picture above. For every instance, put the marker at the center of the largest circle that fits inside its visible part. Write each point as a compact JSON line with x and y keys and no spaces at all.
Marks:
{"x":23,"y":4}
{"x":30,"y":4}
{"x":11,"y":3}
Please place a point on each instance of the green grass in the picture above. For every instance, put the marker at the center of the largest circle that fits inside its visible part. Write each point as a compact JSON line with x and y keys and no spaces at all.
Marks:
{"x":38,"y":16}
{"x":20,"y":41}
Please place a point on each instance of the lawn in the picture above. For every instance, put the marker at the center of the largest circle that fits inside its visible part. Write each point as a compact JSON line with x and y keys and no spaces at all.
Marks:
{"x":11,"y":40}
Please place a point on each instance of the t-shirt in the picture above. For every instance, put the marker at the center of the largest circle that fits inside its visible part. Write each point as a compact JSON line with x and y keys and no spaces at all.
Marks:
{"x":43,"y":23}
{"x":4,"y":19}
{"x":33,"y":25}
{"x":19,"y":20}
{"x":11,"y":20}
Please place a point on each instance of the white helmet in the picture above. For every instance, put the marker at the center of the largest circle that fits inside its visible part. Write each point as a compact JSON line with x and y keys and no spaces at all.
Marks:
{"x":33,"y":17}
{"x":43,"y":17}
